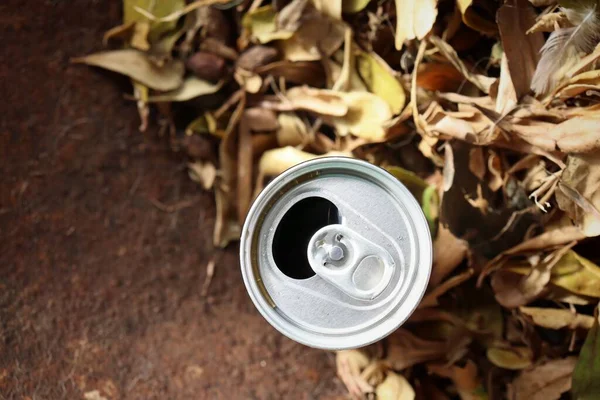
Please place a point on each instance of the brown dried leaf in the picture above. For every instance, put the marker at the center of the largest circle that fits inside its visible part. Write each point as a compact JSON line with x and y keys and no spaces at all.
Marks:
{"x":448,"y":253}
{"x":552,"y":318}
{"x":406,"y":350}
{"x":138,"y":66}
{"x":546,"y":381}
{"x":466,"y":379}
{"x":474,"y":20}
{"x":522,"y":50}
{"x":481,"y":81}
{"x":317,"y":37}
{"x":579,"y":194}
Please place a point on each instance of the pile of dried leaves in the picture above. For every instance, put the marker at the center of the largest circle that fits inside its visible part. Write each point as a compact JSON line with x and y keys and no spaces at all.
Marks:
{"x":487,"y":110}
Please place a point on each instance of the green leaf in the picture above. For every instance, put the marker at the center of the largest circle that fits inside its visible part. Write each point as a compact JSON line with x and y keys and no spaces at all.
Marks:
{"x":586,"y":376}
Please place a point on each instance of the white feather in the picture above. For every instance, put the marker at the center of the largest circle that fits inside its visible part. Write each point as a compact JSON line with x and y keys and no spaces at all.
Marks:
{"x":564,"y":46}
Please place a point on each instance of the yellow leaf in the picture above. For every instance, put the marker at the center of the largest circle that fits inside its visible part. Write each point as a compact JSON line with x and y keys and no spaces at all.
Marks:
{"x":553,"y":318}
{"x":366,"y":116}
{"x":380,"y":80}
{"x":414,"y":19}
{"x":394,"y":387}
{"x":331,"y":8}
{"x":510,"y":358}
{"x":157,"y":8}
{"x":139,"y":67}
{"x":262,"y":25}
{"x":273,"y":162}
{"x":354,"y":6}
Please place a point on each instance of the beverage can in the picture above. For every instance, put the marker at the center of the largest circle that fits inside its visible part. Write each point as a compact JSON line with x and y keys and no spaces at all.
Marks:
{"x":336,"y":253}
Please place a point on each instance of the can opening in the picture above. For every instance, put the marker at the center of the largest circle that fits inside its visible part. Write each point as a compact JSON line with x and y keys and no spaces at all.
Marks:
{"x":294,"y":232}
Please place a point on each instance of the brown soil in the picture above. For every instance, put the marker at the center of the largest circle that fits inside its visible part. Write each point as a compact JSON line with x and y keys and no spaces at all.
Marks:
{"x":99,"y":288}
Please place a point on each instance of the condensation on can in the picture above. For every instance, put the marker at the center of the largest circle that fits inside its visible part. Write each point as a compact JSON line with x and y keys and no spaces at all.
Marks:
{"x":336,"y":253}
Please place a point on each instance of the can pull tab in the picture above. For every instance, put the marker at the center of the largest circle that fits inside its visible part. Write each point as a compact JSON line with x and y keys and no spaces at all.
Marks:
{"x":353,"y":264}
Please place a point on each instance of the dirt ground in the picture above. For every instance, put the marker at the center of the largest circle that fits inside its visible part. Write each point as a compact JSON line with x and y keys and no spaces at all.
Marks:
{"x":100,"y":289}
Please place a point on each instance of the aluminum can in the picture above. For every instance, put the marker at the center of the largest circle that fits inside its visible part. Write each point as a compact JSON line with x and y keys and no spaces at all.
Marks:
{"x":336,"y":253}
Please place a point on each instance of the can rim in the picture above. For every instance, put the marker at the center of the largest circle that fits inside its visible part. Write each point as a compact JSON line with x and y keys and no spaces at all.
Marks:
{"x":393,"y":320}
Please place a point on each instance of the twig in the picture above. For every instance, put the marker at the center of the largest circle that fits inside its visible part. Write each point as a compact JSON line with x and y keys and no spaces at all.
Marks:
{"x":171,"y":208}
{"x":210,"y":272}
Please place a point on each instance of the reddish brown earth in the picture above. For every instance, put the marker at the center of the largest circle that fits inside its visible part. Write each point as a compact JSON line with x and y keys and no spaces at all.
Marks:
{"x":99,"y":289}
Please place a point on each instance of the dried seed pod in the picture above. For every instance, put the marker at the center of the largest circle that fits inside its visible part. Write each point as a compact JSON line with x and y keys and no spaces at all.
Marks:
{"x":206,"y":66}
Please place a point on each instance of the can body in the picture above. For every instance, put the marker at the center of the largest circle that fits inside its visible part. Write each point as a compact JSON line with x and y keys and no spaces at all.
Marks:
{"x":336,"y":253}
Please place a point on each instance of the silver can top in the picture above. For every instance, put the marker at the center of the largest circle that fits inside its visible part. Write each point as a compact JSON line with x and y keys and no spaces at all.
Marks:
{"x":336,"y":253}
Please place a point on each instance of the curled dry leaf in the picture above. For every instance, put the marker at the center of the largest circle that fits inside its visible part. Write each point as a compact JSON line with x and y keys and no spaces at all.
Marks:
{"x":395,"y":387}
{"x":138,"y":66}
{"x":552,"y":318}
{"x":414,"y":19}
{"x":354,"y":6}
{"x":547,"y":381}
{"x":514,"y":358}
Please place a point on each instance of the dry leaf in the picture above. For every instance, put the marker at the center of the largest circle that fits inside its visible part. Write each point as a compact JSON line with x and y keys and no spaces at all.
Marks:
{"x":157,"y":9}
{"x":448,"y":253}
{"x":514,"y":358}
{"x":546,"y":381}
{"x":190,"y":88}
{"x":522,"y":50}
{"x":262,"y":26}
{"x":204,"y":173}
{"x":366,"y":116}
{"x":549,"y":22}
{"x":381,"y":80}
{"x":354,"y":6}
{"x":557,"y":319}
{"x":324,"y":102}
{"x":467,"y":380}
{"x":474,"y":20}
{"x":292,"y":130}
{"x":406,"y":350}
{"x":316,"y":38}
{"x":331,"y":8}
{"x":139,"y":67}
{"x":414,"y":19}
{"x":579,"y":194}
{"x":394,"y":387}
{"x":482,"y":82}
{"x":350,"y":364}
